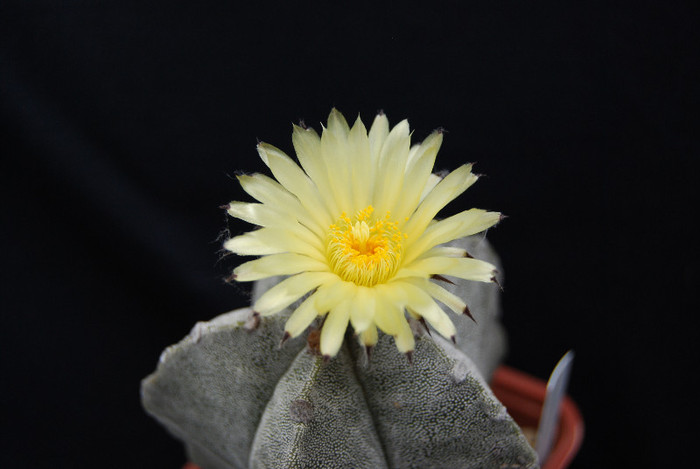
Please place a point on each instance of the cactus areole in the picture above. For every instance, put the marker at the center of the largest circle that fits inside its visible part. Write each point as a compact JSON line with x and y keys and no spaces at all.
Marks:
{"x":349,"y":243}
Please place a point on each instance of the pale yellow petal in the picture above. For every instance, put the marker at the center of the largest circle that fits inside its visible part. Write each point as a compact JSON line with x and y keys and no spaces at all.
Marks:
{"x":270,"y":192}
{"x":389,"y":315}
{"x":274,"y":241}
{"x":275,"y":216}
{"x":362,"y":309}
{"x":419,"y":167}
{"x":334,"y":147}
{"x":256,"y":243}
{"x":295,"y":180}
{"x":259,"y":214}
{"x":444,"y":192}
{"x":334,"y":292}
{"x":337,"y":123}
{"x":433,"y":180}
{"x":287,"y":263}
{"x":444,"y":251}
{"x":265,"y":189}
{"x":369,"y":336}
{"x":418,"y":301}
{"x":377,"y":135}
{"x":466,"y":268}
{"x":334,"y":327}
{"x":457,"y":226}
{"x":392,"y":166}
{"x":447,"y":298}
{"x":415,"y":148}
{"x":289,"y":290}
{"x":307,"y":145}
{"x":361,"y":172}
{"x":302,"y":317}
{"x":404,"y":340}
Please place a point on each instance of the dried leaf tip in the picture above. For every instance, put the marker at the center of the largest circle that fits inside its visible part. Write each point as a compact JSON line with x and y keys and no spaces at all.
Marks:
{"x":409,"y":356}
{"x":425,"y":325}
{"x":495,"y":280}
{"x":468,"y":313}
{"x":231,"y":278}
{"x":441,"y":278}
{"x":285,"y":338}
{"x":225,"y":206}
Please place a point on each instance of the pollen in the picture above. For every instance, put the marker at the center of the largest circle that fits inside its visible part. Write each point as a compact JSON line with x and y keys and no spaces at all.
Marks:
{"x":364,"y":249}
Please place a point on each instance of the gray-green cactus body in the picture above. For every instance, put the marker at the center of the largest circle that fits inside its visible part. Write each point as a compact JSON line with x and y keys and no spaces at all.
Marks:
{"x":238,"y":400}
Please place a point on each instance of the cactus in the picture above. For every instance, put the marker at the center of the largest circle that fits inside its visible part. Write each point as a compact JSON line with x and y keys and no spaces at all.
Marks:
{"x":238,"y":399}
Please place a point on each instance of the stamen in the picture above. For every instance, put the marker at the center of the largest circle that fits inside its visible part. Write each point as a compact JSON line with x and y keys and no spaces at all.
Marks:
{"x":367,"y":251}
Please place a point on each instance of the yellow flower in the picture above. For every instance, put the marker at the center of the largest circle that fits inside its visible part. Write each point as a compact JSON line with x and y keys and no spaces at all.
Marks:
{"x":356,"y":228}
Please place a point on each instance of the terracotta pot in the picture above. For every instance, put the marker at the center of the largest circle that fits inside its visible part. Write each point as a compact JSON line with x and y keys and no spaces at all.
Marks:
{"x":523,"y":396}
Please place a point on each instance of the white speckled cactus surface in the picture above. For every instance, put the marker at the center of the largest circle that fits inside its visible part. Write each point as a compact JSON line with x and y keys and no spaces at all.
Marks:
{"x":238,"y":399}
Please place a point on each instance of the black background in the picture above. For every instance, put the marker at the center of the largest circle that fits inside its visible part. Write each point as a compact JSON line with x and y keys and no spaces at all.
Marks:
{"x":123,"y":123}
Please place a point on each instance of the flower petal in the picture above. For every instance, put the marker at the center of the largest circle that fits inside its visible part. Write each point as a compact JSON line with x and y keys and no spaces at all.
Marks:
{"x":361,"y":171}
{"x":433,"y":181}
{"x":444,"y":251}
{"x":466,"y":268}
{"x":302,"y":317}
{"x":332,"y":293}
{"x":270,"y":192}
{"x":337,"y":124}
{"x":420,"y":165}
{"x":404,"y":340}
{"x":444,"y":192}
{"x":335,"y":151}
{"x":369,"y":336}
{"x":291,"y":176}
{"x":377,"y":135}
{"x":287,"y":263}
{"x":392,"y":166}
{"x":288,"y":291}
{"x":274,"y":216}
{"x":421,"y":303}
{"x":463,"y":224}
{"x":389,"y":316}
{"x":307,"y":145}
{"x":362,"y":309}
{"x":334,"y":328}
{"x":275,"y":241}
{"x":447,"y":298}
